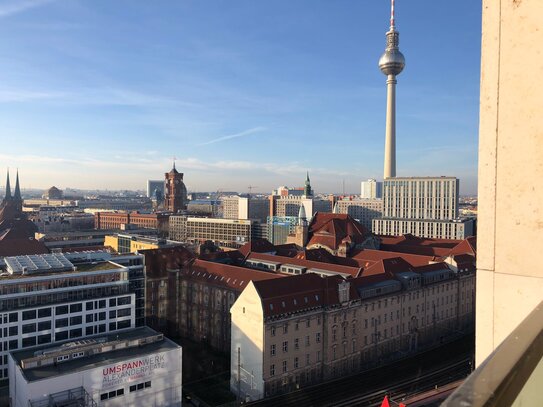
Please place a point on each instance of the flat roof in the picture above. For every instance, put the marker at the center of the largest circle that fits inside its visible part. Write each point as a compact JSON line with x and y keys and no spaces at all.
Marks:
{"x":97,"y":360}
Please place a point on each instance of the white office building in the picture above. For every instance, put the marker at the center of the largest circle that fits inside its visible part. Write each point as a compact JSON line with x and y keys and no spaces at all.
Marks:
{"x":137,"y":368}
{"x":47,"y":298}
{"x":424,"y":207}
{"x":371,"y":189}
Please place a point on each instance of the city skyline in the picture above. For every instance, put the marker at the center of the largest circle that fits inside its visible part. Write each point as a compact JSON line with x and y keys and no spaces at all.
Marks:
{"x":103,"y":95}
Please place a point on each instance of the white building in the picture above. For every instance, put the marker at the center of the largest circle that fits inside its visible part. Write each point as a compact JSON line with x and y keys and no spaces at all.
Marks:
{"x":47,"y":298}
{"x":371,"y":189}
{"x":424,"y":207}
{"x":363,"y":210}
{"x":237,"y":207}
{"x":134,"y":368}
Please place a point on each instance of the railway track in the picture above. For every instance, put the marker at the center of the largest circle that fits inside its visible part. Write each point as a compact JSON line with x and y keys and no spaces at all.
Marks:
{"x":400,"y":380}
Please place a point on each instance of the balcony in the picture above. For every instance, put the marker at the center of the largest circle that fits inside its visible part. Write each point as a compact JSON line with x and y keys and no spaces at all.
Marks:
{"x":512,"y":375}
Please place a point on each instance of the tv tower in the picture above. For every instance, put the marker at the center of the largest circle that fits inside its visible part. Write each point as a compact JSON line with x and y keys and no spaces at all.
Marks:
{"x":391,"y":64}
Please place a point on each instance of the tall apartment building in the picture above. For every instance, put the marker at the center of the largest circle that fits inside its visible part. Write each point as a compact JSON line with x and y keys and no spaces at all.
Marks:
{"x":363,"y":210}
{"x":237,"y":207}
{"x":224,"y":232}
{"x":371,"y":189}
{"x":422,"y":206}
{"x":296,"y":332}
{"x":52,"y":298}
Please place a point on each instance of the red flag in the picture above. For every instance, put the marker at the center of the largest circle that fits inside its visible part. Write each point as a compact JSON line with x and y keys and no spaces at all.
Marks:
{"x":402,"y":405}
{"x":385,"y":402}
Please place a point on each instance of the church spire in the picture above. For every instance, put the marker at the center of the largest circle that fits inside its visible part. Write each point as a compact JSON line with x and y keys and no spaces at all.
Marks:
{"x":17,"y":193}
{"x":8,"y":188}
{"x":307,"y":189}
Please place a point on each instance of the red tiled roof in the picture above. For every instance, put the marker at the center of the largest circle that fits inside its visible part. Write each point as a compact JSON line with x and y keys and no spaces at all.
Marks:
{"x":158,"y":261}
{"x":331,"y":229}
{"x":233,"y":277}
{"x":337,"y":268}
{"x":370,"y":255}
{"x":389,"y":266}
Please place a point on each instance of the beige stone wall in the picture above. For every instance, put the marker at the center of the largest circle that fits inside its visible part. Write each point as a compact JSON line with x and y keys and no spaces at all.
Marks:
{"x":510,"y":222}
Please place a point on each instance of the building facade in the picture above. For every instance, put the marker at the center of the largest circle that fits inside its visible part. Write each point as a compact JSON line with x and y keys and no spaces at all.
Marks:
{"x":114,"y":220}
{"x":363,"y":210}
{"x":371,"y":189}
{"x":139,"y":367}
{"x":423,"y":206}
{"x":224,"y":232}
{"x":50,"y":298}
{"x":294,"y":333}
{"x":237,"y":207}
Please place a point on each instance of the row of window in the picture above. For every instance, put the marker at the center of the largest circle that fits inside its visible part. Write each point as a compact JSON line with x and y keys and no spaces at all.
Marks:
{"x":296,"y":364}
{"x":296,"y":326}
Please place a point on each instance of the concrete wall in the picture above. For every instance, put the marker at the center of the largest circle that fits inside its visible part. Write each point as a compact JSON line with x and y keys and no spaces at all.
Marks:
{"x":510,"y":222}
{"x":248,"y":337}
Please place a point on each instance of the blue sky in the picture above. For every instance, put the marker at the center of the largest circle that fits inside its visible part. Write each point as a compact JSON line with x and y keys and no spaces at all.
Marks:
{"x":102,"y":93}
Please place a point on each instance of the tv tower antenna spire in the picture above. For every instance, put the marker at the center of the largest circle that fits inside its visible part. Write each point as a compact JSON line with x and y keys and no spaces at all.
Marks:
{"x":391,"y":64}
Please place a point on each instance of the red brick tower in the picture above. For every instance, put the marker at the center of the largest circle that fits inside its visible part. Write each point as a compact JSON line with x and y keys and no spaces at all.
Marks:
{"x":175,"y":198}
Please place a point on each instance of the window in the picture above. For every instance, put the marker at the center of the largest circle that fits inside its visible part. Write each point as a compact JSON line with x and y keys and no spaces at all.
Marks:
{"x":29,"y":341}
{"x":307,"y":359}
{"x":75,"y":333}
{"x":13,"y":317}
{"x":285,"y":346}
{"x":44,"y":339}
{"x":60,"y":336}
{"x":125,"y":312}
{"x":101,"y":316}
{"x":307,"y":340}
{"x":318,"y":337}
{"x":272,"y":350}
{"x":31,"y":314}
{"x":76,"y":308}
{"x":296,"y":344}
{"x":296,"y":363}
{"x":334,"y":334}
{"x":44,"y":312}
{"x":272,"y":370}
{"x":76,"y":320}
{"x":272,"y":331}
{"x":284,"y":366}
{"x":60,"y":323}
{"x":13,"y":331}
{"x":285,"y":328}
{"x":61,"y":310}
{"x":308,"y":323}
{"x":89,"y":306}
{"x":29,"y":328}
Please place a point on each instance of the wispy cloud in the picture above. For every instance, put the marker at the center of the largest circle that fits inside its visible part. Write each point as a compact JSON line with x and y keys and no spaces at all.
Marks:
{"x":231,"y":136}
{"x":18,"y":6}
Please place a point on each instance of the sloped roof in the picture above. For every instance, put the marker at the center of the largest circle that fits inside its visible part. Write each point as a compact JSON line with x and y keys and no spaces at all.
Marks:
{"x":300,"y":293}
{"x":158,"y":261}
{"x":331,"y":229}
{"x":257,"y":246}
{"x":389,"y":266}
{"x":336,"y":268}
{"x":370,"y":255}
{"x":233,"y":277}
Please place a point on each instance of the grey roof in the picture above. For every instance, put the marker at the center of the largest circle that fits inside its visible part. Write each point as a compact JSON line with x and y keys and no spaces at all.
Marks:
{"x":94,"y":361}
